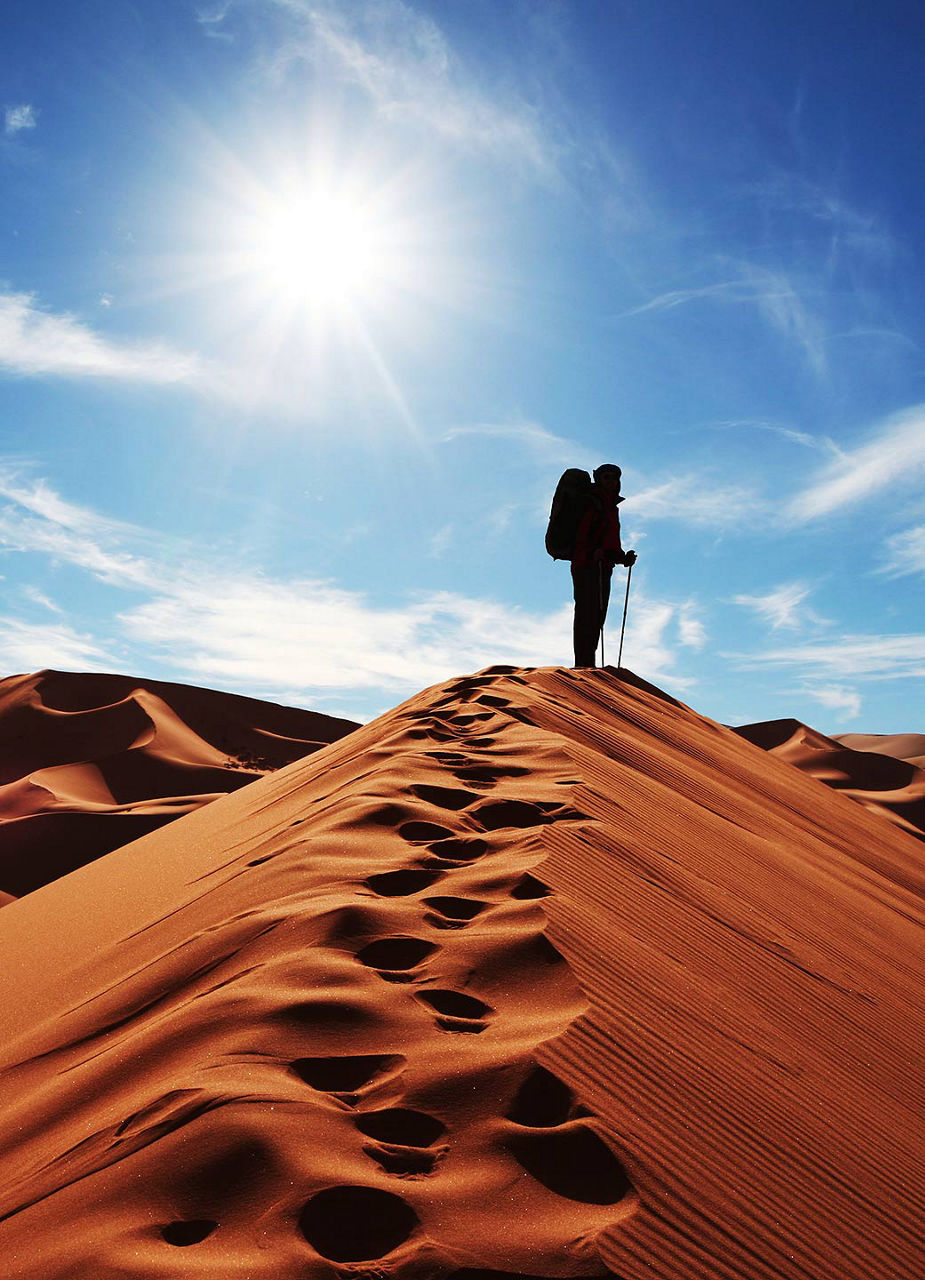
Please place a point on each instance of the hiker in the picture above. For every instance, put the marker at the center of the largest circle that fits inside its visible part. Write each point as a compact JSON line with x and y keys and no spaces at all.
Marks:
{"x":584,"y":527}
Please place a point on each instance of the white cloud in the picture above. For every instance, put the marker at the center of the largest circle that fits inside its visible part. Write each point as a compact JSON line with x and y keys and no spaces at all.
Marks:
{"x":724,"y":290}
{"x":866,"y":657}
{"x":906,"y":552}
{"x":401,"y":60}
{"x":208,"y":623}
{"x":838,"y":697}
{"x":38,"y":520}
{"x":15,"y":119}
{"x":825,"y":443}
{"x":313,"y":635}
{"x":548,"y":448}
{"x":774,"y":294}
{"x":28,"y":647}
{"x":34,"y":342}
{"x":698,"y":500}
{"x":691,"y":630}
{"x":440,"y":542}
{"x":782,"y":607}
{"x":852,"y":233}
{"x":40,"y":598}
{"x":894,"y":456}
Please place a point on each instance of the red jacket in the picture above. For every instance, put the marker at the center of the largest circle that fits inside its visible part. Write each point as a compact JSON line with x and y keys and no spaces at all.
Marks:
{"x":599,"y":530}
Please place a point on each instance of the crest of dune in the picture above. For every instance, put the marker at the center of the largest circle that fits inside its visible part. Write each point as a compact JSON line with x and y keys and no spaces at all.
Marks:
{"x":540,"y":974}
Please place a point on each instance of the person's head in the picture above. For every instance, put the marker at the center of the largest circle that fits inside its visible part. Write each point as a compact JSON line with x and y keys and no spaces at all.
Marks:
{"x":607,"y":477}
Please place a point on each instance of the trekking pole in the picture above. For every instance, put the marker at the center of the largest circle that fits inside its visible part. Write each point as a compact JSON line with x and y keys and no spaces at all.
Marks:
{"x":600,"y":605}
{"x":629,"y":575}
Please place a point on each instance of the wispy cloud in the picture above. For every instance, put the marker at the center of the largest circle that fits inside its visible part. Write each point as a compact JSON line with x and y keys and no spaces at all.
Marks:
{"x":316,"y":635}
{"x":838,"y":697}
{"x":26,"y":646}
{"x":15,"y":119}
{"x":785,"y":606}
{"x":440,"y":542}
{"x":36,"y":519}
{"x":400,"y":58}
{"x":774,"y":293}
{"x":850,"y":230}
{"x":240,"y":630}
{"x":38,"y":597}
{"x":697,"y":500}
{"x":893,"y":456}
{"x":259,"y":634}
{"x":905,"y":553}
{"x":548,"y":448}
{"x":35,"y":342}
{"x":866,"y":657}
{"x":691,"y":630}
{"x":804,"y":438}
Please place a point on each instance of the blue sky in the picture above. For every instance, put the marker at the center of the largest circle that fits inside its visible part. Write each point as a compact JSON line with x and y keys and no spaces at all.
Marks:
{"x":304,"y":306}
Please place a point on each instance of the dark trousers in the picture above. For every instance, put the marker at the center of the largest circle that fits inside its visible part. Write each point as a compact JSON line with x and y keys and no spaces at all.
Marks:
{"x":591,"y":589}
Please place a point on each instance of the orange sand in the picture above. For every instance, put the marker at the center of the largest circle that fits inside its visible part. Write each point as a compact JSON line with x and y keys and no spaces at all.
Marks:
{"x":883,"y":772}
{"x":90,"y":762}
{"x":540,"y":974}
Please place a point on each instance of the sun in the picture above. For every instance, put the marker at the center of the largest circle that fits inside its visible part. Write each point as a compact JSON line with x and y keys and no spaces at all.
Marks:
{"x":323,"y":248}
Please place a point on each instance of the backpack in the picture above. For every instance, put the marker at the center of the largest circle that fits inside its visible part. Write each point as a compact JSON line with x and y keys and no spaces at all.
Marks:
{"x":569,"y":503}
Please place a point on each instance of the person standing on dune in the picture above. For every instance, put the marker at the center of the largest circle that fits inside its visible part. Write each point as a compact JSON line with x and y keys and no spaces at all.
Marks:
{"x":584,"y":527}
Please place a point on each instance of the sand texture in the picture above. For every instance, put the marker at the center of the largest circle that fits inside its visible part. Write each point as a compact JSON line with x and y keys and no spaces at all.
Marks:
{"x":540,"y":974}
{"x":91,"y":762}
{"x":883,"y":772}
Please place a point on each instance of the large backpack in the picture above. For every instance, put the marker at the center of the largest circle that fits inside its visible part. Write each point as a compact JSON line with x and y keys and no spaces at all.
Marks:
{"x":569,"y":503}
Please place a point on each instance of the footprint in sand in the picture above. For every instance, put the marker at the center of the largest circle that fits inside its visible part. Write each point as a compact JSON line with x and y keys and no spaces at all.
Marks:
{"x":188,"y":1232}
{"x":428,"y":730}
{"x":421,"y":832}
{"x":402,"y":883}
{"x":356,"y":1224}
{"x":528,"y":887}
{"x":349,"y":1078}
{"x":448,"y":757}
{"x":493,"y":815}
{"x":484,"y":775}
{"x":394,"y":959}
{"x":452,"y":798}
{"x":453,"y":913}
{"x":466,"y":718}
{"x":492,"y":700}
{"x":556,"y":1146}
{"x":404,"y":1140}
{"x":457,"y":1011}
{"x":456,"y":851}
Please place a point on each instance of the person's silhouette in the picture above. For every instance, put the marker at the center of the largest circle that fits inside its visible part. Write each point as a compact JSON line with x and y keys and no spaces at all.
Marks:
{"x":597,"y":550}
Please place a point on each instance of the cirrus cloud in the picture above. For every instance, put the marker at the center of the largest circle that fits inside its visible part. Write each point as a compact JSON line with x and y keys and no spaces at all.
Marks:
{"x":36,"y":342}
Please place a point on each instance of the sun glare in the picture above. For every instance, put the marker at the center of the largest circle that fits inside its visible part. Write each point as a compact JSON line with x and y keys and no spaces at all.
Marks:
{"x":322,"y":249}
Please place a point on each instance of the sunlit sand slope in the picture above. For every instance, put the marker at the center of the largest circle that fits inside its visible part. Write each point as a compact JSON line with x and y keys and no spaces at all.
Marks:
{"x":89,"y":762}
{"x":883,"y":772}
{"x":540,"y":974}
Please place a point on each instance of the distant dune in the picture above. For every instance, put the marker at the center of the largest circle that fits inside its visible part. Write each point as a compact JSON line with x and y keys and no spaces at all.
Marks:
{"x":540,"y":974}
{"x":884,"y":773}
{"x":91,"y":762}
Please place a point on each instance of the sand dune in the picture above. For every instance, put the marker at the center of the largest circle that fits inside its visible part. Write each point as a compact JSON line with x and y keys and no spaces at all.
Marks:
{"x":884,"y":773}
{"x":89,"y":763}
{"x":539,"y":975}
{"x":902,"y":746}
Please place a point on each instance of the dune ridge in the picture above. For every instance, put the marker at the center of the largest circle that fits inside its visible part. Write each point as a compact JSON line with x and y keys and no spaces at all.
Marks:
{"x":540,"y":974}
{"x":883,"y":772}
{"x":91,"y":762}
